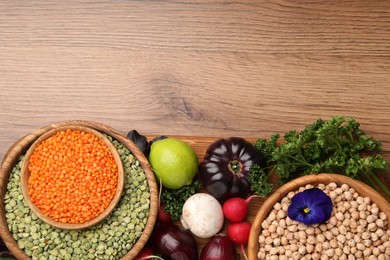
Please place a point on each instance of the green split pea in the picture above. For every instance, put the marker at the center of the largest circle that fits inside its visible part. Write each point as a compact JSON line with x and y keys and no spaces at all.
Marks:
{"x":110,"y":239}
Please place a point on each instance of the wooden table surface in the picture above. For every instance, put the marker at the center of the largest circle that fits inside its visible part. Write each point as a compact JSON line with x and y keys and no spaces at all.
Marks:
{"x":194,"y":68}
{"x":200,"y":68}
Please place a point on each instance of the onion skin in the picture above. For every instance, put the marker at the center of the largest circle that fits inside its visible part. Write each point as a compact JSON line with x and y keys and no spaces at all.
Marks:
{"x":145,"y":253}
{"x":219,"y":247}
{"x":173,"y":243}
{"x":226,"y":165}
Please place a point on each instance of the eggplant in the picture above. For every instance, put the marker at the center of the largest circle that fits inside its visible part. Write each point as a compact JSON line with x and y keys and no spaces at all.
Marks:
{"x":219,"y":247}
{"x":173,"y":242}
{"x":226,"y":165}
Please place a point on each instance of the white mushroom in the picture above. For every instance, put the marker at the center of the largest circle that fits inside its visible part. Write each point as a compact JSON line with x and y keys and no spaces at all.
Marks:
{"x":202,"y":215}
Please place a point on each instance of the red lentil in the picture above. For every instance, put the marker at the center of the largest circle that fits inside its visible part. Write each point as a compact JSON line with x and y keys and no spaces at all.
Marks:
{"x":73,"y":176}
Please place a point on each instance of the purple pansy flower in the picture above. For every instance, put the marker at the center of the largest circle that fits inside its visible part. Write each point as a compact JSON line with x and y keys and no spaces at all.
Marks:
{"x":311,"y":206}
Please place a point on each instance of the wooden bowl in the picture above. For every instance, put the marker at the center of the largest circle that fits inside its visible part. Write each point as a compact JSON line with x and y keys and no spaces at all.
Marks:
{"x":25,"y":174}
{"x":22,"y":146}
{"x":325,"y":178}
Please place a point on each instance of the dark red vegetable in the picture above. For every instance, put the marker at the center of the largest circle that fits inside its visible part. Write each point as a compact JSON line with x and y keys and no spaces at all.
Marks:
{"x":163,"y":216}
{"x":4,"y":252}
{"x":172,"y":242}
{"x":225,"y":167}
{"x":236,"y":209}
{"x":146,"y":253}
{"x":219,"y":247}
{"x":238,"y":232}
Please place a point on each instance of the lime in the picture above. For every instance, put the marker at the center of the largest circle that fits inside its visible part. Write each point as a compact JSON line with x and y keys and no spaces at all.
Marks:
{"x":174,"y":162}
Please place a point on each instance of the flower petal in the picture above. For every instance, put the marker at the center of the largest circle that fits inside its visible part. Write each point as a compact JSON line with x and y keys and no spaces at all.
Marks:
{"x":317,"y":215}
{"x":294,"y":211}
{"x":303,"y":198}
{"x":312,"y":206}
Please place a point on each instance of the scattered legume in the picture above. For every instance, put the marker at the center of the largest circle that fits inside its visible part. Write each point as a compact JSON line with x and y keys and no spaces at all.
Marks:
{"x":41,"y":241}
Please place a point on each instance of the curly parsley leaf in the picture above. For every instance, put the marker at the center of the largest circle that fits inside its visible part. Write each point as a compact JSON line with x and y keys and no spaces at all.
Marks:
{"x":258,"y":179}
{"x":173,"y":199}
{"x":337,"y":145}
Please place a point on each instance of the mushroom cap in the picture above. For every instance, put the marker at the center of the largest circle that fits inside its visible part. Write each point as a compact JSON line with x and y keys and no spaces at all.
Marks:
{"x":202,"y":215}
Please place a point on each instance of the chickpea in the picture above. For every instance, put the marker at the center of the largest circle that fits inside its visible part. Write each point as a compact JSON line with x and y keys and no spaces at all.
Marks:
{"x":357,"y":229}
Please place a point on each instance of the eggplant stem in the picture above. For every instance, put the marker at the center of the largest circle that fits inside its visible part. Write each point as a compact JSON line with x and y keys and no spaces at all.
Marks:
{"x":235,"y":167}
{"x":243,"y":251}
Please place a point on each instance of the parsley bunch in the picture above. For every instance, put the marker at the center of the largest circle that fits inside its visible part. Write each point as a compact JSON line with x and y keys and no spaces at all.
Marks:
{"x":173,"y":199}
{"x":337,"y":145}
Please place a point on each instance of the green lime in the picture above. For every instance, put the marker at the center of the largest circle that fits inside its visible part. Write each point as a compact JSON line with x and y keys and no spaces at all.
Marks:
{"x":174,"y":162}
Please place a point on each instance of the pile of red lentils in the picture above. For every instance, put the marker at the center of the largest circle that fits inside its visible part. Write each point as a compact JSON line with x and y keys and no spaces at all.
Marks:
{"x":73,"y":176}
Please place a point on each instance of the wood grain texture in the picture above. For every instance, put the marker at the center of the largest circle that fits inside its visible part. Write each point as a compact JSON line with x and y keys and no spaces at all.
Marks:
{"x":194,"y":68}
{"x":200,"y":68}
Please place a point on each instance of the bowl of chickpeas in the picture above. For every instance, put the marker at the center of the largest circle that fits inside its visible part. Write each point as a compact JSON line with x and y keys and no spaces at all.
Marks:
{"x":358,"y":227}
{"x":72,"y":177}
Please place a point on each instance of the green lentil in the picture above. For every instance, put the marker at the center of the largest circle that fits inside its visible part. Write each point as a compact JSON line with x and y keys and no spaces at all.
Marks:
{"x":110,"y":239}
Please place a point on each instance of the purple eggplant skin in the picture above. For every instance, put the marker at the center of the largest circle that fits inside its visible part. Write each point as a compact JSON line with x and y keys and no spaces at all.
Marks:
{"x":173,"y":242}
{"x":219,"y":247}
{"x":226,"y":165}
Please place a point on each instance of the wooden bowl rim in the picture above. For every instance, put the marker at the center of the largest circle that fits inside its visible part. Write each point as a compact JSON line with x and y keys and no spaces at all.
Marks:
{"x":20,"y":146}
{"x":25,"y":173}
{"x":315,"y":179}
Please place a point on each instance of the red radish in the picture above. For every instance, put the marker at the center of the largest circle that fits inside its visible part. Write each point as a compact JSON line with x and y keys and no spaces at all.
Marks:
{"x":236,"y":209}
{"x":238,"y":232}
{"x":163,"y":216}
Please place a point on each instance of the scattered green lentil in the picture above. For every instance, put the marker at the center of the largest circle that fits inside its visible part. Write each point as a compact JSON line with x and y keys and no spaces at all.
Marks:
{"x":110,"y":239}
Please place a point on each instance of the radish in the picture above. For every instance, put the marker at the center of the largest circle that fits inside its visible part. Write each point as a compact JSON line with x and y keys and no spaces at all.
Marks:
{"x":236,"y":209}
{"x":238,"y":232}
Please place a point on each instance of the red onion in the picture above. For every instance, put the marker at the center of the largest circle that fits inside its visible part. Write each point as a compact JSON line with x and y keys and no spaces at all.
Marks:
{"x":173,"y":243}
{"x":219,"y":247}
